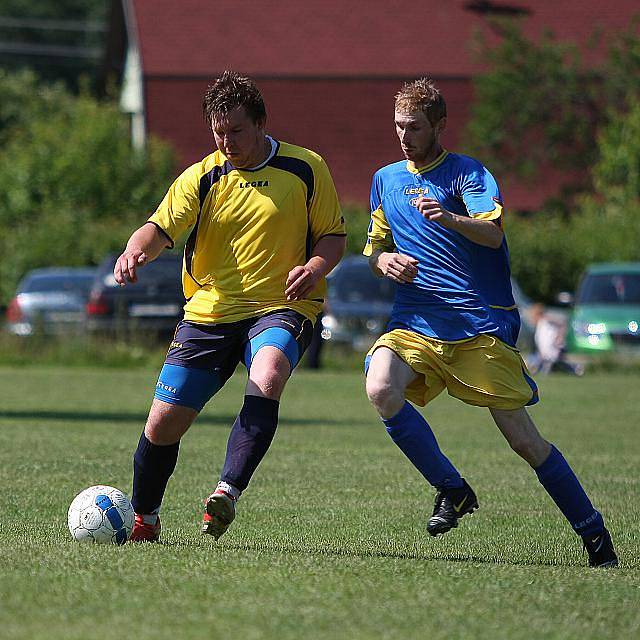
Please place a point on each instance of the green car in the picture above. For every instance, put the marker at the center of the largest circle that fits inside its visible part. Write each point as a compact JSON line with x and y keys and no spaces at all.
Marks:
{"x":606,"y":311}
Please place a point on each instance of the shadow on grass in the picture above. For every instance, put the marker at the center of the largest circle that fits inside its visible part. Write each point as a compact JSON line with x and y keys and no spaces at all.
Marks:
{"x":123,"y":416}
{"x":319,"y":550}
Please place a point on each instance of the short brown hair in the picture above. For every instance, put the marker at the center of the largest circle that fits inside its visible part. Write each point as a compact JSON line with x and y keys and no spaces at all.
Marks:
{"x":229,"y":91}
{"x":422,"y":95}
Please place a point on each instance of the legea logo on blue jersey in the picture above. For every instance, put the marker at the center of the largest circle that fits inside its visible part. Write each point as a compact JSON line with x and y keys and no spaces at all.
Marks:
{"x":415,"y":191}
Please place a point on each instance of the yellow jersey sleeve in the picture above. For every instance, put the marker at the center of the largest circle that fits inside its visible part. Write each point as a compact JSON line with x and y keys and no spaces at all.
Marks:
{"x":180,"y":207}
{"x":325,"y":217}
{"x":379,"y":236}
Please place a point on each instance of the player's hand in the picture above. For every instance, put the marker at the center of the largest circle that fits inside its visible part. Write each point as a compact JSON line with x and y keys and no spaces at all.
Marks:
{"x":432,"y":210}
{"x":301,"y":281}
{"x":127,"y":265}
{"x":398,"y":267}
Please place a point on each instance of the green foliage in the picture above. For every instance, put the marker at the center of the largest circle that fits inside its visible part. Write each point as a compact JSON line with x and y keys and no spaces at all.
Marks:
{"x":25,"y":98}
{"x":539,"y":105}
{"x":80,"y":351}
{"x":617,"y":172}
{"x":357,"y":221}
{"x":533,"y":91}
{"x":76,"y":24}
{"x":550,"y":249}
{"x":55,"y":9}
{"x":71,"y":187}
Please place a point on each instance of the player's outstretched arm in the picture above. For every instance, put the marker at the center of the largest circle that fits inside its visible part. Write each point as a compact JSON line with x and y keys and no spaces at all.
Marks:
{"x":144,"y":245}
{"x":484,"y":232}
{"x":326,"y":254}
{"x":395,"y":266}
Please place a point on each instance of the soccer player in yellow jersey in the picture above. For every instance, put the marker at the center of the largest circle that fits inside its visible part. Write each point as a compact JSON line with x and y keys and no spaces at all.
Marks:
{"x":264,"y":230}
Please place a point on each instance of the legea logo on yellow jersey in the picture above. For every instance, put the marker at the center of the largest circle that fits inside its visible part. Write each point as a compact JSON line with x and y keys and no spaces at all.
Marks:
{"x":254,"y":183}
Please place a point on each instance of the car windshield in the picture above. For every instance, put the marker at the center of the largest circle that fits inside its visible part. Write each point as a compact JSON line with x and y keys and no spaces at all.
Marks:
{"x":359,"y":284}
{"x":77,"y":283}
{"x":610,"y":288}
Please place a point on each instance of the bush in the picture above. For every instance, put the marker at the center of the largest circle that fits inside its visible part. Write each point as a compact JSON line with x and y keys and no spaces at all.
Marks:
{"x":357,"y":221}
{"x":71,"y":187}
{"x":551,"y":249}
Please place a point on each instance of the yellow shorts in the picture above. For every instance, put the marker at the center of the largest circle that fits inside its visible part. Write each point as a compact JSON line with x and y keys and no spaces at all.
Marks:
{"x":482,"y":371}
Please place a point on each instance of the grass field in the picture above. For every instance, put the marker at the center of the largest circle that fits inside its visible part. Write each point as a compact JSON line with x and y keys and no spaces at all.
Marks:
{"x":330,"y":538}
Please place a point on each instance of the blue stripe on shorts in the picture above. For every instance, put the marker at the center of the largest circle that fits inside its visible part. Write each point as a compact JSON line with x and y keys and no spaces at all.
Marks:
{"x":273,"y":337}
{"x":186,"y":386}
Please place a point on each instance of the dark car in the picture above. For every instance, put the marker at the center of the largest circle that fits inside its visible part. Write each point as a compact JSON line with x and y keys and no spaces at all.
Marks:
{"x":359,"y":305}
{"x":50,"y":301}
{"x":152,"y":305}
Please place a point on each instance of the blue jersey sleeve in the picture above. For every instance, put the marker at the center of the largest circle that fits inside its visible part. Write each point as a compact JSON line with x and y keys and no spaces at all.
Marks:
{"x":376,"y":192}
{"x":479,"y":192}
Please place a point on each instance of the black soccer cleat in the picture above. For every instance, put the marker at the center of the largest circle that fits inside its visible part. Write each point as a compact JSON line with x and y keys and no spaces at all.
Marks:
{"x":450,"y":505}
{"x":600,"y":550}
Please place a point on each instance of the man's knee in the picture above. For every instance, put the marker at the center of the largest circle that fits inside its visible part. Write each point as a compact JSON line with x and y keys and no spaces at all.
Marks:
{"x":384,"y":396}
{"x":167,"y":423}
{"x":269,"y":372}
{"x":270,"y":382}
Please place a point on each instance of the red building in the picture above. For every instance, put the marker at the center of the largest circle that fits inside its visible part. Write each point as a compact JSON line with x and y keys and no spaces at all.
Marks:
{"x":328,"y":70}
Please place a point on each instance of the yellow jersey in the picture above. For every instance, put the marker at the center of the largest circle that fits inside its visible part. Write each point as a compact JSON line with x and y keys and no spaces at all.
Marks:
{"x":249,"y":228}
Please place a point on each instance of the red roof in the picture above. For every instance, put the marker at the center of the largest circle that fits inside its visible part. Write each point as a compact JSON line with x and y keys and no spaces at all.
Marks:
{"x":198,"y":38}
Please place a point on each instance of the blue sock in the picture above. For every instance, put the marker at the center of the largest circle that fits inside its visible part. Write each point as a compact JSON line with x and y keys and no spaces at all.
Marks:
{"x":565,"y":489}
{"x":152,"y":467}
{"x":249,"y":440}
{"x":413,"y":435}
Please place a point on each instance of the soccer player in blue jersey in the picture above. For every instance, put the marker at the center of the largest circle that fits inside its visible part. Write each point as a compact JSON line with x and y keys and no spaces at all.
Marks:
{"x":265,"y":228}
{"x":436,"y":230}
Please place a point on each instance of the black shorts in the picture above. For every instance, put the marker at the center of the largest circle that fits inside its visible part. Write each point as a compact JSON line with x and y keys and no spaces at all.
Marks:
{"x":202,"y":357}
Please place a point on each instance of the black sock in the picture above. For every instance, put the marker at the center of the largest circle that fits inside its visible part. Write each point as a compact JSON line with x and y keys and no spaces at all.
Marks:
{"x":249,"y":440}
{"x":152,"y":467}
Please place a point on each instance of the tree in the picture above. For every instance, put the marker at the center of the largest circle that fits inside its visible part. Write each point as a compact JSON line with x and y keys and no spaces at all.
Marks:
{"x":71,"y":186}
{"x":551,"y":249}
{"x":60,"y":39}
{"x":539,"y":105}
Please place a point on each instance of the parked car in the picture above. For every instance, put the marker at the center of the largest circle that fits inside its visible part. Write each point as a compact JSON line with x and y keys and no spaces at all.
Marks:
{"x":606,"y":310}
{"x":359,"y":305}
{"x":152,"y":304}
{"x":50,"y":301}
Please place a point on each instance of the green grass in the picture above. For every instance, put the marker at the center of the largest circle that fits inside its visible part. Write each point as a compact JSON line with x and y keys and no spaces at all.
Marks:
{"x":330,"y":538}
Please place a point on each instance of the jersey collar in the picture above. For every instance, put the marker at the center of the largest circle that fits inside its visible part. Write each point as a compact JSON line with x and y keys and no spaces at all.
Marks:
{"x":432,"y":165}
{"x":274,"y":149}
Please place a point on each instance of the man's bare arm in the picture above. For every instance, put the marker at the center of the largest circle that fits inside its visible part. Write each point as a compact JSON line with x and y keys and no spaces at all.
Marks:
{"x":144,"y":245}
{"x":326,"y":254}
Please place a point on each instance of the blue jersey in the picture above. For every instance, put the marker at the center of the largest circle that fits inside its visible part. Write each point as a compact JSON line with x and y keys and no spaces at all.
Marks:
{"x":462,"y":288}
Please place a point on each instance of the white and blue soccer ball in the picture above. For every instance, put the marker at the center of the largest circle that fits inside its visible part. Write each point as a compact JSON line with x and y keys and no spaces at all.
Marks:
{"x":101,"y":514}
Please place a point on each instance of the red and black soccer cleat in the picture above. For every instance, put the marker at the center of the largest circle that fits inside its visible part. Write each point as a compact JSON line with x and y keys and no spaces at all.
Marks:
{"x":143,"y":532}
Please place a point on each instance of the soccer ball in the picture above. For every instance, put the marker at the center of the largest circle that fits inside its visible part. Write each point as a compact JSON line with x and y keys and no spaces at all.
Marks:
{"x":101,"y":514}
